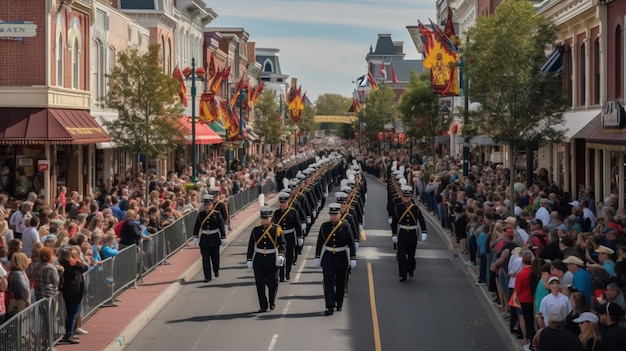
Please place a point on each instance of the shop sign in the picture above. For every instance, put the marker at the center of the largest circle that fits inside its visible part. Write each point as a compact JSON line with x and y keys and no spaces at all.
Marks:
{"x":17,"y":29}
{"x":613,"y":115}
{"x":43,"y":165}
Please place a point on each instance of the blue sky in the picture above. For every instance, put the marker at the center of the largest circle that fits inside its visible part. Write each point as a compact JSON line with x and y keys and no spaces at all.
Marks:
{"x":323,"y":43}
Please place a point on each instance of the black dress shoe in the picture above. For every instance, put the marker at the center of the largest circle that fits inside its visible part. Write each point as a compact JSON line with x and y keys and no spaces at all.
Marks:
{"x":217,"y":274}
{"x":272,"y":307}
{"x":403,"y":279}
{"x":339,"y":307}
{"x":411,"y":274}
{"x":328,"y":311}
{"x":261,"y":310}
{"x":207,"y":280}
{"x":287,"y":277}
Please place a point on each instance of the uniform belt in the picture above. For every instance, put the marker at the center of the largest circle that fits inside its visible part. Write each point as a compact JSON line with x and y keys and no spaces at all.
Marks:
{"x":335,"y":249}
{"x":288,"y":231}
{"x":212,"y":231}
{"x":265,"y":251}
{"x":407,"y":227}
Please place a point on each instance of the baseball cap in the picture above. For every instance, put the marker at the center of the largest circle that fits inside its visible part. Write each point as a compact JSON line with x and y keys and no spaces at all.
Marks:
{"x":563,"y":227}
{"x":586,"y":317}
{"x":610,"y":308}
{"x":553,"y":278}
{"x":575,"y":203}
{"x":536,"y":221}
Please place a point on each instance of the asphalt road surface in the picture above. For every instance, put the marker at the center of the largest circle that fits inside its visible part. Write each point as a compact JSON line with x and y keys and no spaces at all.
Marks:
{"x":440,"y":308}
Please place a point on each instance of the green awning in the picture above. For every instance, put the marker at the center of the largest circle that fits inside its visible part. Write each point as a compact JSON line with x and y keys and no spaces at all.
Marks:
{"x":218,"y":128}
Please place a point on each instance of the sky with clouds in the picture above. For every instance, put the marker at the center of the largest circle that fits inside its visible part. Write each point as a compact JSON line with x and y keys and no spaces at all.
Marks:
{"x":323,"y":43}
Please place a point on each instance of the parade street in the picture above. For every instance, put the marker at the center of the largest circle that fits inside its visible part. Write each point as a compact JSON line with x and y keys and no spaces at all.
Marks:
{"x":440,"y":308}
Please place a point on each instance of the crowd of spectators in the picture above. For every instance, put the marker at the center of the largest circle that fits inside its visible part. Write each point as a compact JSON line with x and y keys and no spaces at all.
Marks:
{"x":45,"y":247}
{"x":550,"y":261}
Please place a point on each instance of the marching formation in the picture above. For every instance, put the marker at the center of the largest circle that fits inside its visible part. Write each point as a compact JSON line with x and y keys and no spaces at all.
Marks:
{"x":274,"y":245}
{"x":406,"y":220}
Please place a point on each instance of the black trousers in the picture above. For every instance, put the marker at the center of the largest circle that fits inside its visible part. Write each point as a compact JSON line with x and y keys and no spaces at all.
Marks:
{"x":407,"y":244}
{"x":335,"y":271}
{"x":210,"y":255}
{"x":266,"y":274}
{"x":290,"y":254}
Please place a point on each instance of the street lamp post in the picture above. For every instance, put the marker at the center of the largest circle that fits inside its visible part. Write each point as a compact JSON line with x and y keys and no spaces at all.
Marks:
{"x":192,"y":75}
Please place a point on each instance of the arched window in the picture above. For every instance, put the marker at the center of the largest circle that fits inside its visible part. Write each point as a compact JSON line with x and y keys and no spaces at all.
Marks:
{"x":169,"y":56}
{"x":98,"y":71}
{"x":619,"y":64}
{"x":596,"y":71}
{"x":75,"y":64}
{"x":268,"y":66}
{"x":583,"y":80}
{"x":163,"y":56}
{"x":59,"y":59}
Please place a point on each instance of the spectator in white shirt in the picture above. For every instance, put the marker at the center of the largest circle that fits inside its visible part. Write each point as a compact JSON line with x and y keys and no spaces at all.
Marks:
{"x":543,"y":213}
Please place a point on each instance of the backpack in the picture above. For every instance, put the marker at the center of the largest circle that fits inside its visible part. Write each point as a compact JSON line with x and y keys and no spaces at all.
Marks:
{"x":538,"y":245}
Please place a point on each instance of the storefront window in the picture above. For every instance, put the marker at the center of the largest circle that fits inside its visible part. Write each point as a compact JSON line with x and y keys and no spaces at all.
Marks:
{"x":18,"y":170}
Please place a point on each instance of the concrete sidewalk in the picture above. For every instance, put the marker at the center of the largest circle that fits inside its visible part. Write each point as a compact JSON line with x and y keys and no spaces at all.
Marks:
{"x":112,"y":328}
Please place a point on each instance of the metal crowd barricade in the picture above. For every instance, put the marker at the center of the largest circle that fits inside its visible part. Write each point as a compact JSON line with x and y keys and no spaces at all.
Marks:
{"x":125,"y":268}
{"x":42,"y":324}
{"x":27,"y":330}
{"x":99,"y":286}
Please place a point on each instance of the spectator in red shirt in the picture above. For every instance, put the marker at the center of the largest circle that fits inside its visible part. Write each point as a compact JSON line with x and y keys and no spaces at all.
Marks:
{"x":524,"y":291}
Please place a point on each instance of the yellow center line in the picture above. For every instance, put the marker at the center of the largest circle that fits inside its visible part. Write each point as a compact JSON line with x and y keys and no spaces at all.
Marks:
{"x":376,"y":330}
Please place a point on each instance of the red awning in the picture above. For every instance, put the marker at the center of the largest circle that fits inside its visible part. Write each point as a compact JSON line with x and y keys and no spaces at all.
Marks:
{"x":204,"y":134}
{"x":49,"y":126}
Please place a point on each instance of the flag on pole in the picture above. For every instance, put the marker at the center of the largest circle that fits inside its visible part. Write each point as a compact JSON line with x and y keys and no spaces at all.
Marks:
{"x":258,"y":91}
{"x":212,"y":69}
{"x":371,"y":81}
{"x":182,"y":92}
{"x":383,"y":71}
{"x":394,"y":78}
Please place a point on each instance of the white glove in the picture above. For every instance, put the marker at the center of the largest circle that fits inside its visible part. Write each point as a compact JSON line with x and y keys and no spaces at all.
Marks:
{"x":318,"y":264}
{"x":195,"y":241}
{"x":249,"y":263}
{"x":303,"y":226}
{"x":360,"y":229}
{"x":352,"y":264}
{"x":225,"y":228}
{"x":280,"y":260}
{"x":326,"y":194}
{"x":389,"y":220}
{"x":394,"y":239}
{"x":424,"y":236}
{"x":314,"y":213}
{"x":308,"y":219}
{"x":224,"y":242}
{"x":300,"y":241}
{"x":356,"y":245}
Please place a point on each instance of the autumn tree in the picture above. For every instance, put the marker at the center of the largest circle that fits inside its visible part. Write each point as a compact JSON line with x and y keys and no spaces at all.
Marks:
{"x":419,"y":109}
{"x":333,"y":104}
{"x":147,"y":104}
{"x":521,"y":105}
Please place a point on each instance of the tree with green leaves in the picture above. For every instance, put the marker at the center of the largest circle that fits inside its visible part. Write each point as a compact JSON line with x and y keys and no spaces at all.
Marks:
{"x":521,"y":105}
{"x":334,"y":105}
{"x":419,"y":109}
{"x":380,"y":109}
{"x":146,"y":101}
{"x":267,"y":122}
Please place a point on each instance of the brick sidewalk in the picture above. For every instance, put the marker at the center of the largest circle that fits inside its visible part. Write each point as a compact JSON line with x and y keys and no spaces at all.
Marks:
{"x":112,"y":328}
